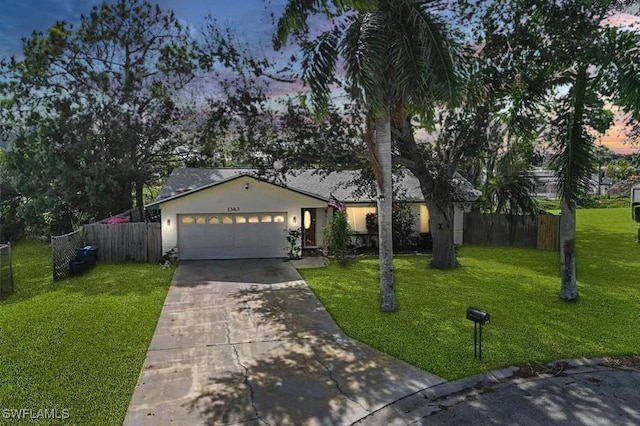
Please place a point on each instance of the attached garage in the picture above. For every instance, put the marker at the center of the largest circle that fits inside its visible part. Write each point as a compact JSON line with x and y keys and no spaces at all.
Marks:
{"x":236,"y":216}
{"x":228,"y":213}
{"x":231,"y":235}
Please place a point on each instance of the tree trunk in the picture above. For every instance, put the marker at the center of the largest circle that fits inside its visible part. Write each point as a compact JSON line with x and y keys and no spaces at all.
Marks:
{"x":441,"y":228}
{"x":569,"y":288}
{"x":140,"y":199}
{"x":385,"y":210}
{"x":440,"y":211}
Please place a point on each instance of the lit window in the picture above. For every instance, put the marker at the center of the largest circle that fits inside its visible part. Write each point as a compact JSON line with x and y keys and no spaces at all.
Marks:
{"x":214,"y":220}
{"x":278,"y":219}
{"x":201,"y":220}
{"x":424,"y":219}
{"x":187,"y":220}
{"x":227,"y":220}
{"x":254,"y":219}
{"x":357,"y":218}
{"x":241,"y":219}
{"x":266,"y":218}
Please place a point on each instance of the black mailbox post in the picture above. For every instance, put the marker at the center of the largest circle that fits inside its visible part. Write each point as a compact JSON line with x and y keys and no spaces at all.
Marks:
{"x":478,"y":316}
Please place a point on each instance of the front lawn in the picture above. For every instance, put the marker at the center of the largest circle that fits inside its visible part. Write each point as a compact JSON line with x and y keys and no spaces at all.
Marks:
{"x":78,"y":344}
{"x":518,"y":287}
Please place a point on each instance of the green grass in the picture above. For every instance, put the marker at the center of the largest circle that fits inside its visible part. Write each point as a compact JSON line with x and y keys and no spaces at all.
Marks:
{"x":518,"y":287}
{"x":590,"y":202}
{"x":77,"y":344}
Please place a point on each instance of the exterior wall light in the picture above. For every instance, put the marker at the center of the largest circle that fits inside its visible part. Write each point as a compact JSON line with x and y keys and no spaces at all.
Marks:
{"x":168,"y":222}
{"x":246,"y":185}
{"x":294,"y":220}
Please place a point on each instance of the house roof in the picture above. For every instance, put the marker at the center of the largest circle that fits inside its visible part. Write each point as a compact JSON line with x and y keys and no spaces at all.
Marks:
{"x":340,"y":184}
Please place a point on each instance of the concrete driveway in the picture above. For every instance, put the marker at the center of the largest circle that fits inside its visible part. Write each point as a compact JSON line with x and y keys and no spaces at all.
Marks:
{"x":247,"y":342}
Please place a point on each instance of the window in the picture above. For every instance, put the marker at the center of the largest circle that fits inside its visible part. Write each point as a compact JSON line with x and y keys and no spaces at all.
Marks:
{"x":254,"y":219}
{"x":424,"y":218}
{"x":227,"y":220}
{"x":357,"y":218}
{"x":307,"y":219}
{"x":266,"y":218}
{"x":278,"y":219}
{"x":241,"y":219}
{"x":201,"y":220}
{"x":187,"y":220}
{"x":214,"y":220}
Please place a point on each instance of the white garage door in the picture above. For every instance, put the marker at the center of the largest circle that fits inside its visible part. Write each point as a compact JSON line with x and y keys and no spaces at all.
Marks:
{"x":231,"y":236}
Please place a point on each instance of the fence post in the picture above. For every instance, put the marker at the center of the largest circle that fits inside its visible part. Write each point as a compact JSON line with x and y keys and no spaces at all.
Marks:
{"x":6,"y":269}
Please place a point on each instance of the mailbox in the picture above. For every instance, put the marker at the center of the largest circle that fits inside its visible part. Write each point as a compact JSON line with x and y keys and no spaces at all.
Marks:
{"x":477,"y":315}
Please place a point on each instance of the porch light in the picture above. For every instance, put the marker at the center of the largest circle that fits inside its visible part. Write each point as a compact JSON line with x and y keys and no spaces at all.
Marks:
{"x":168,"y":222}
{"x":294,"y":220}
{"x":246,"y":185}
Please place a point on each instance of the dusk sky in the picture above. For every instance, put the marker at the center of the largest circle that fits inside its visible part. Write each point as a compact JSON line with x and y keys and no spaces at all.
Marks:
{"x":249,"y":18}
{"x":19,"y":18}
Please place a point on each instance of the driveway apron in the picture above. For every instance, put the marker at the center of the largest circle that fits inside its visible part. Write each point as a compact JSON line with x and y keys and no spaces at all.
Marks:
{"x":247,"y":342}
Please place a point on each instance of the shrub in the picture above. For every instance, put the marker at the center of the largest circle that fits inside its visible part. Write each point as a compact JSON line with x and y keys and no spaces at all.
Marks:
{"x":293,"y":238}
{"x":403,"y":220}
{"x":338,"y":237}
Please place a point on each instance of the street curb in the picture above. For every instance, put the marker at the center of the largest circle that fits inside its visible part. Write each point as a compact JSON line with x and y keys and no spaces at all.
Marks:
{"x":413,"y":407}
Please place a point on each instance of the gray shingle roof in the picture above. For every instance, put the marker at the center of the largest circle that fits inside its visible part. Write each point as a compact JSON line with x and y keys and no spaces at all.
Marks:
{"x":320,"y":185}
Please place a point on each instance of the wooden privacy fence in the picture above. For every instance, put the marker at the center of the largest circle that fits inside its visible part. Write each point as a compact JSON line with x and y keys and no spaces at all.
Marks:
{"x":541,"y":231}
{"x":6,"y":271}
{"x":126,"y":242}
{"x":548,"y":232}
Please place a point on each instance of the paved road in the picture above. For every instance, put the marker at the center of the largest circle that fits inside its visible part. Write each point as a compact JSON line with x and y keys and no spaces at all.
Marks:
{"x":247,"y":342}
{"x":571,"y":392}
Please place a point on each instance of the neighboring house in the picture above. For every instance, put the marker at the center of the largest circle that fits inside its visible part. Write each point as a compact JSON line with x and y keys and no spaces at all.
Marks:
{"x":546,"y":183}
{"x":236,"y":213}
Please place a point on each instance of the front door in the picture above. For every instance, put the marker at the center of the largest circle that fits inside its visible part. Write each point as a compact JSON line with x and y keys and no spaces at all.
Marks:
{"x":309,"y":228}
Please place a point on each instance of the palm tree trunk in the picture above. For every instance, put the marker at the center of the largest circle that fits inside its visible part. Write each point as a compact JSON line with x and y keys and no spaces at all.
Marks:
{"x":568,"y":289}
{"x":441,"y":227}
{"x":385,"y":210}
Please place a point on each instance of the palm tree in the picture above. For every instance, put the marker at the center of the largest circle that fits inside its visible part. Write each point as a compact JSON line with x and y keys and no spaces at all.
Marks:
{"x":589,"y":62}
{"x":398,"y":60}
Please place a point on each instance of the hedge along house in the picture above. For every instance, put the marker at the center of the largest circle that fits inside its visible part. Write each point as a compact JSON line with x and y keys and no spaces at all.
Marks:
{"x":230,"y":213}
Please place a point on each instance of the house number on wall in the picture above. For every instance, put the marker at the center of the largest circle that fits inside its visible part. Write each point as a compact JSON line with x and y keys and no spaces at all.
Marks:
{"x":233,"y":209}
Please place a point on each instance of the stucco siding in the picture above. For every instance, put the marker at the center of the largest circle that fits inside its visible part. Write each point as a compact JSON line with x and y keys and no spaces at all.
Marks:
{"x":234,"y":197}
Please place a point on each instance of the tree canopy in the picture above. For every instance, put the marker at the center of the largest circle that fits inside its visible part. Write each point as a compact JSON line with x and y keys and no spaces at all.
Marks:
{"x":92,"y":109}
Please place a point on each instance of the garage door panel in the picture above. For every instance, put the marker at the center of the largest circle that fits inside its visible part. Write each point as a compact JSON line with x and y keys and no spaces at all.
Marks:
{"x":231,"y":236}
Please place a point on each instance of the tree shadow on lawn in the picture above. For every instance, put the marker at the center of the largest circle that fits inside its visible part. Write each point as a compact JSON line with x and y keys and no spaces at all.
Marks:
{"x":294,"y":366}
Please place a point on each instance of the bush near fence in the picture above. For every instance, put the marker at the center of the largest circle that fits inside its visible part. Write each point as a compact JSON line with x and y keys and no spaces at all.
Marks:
{"x":541,"y":231}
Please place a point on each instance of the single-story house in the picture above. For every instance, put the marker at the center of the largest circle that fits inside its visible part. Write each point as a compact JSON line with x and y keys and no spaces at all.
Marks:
{"x":228,"y":213}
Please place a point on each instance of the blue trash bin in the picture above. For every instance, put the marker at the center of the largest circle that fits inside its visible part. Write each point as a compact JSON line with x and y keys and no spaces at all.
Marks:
{"x":87,"y":254}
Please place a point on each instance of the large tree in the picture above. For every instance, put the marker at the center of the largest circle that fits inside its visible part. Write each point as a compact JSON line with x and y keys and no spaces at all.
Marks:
{"x":398,"y":61}
{"x":582,"y":62}
{"x":246,"y":123}
{"x":99,"y":102}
